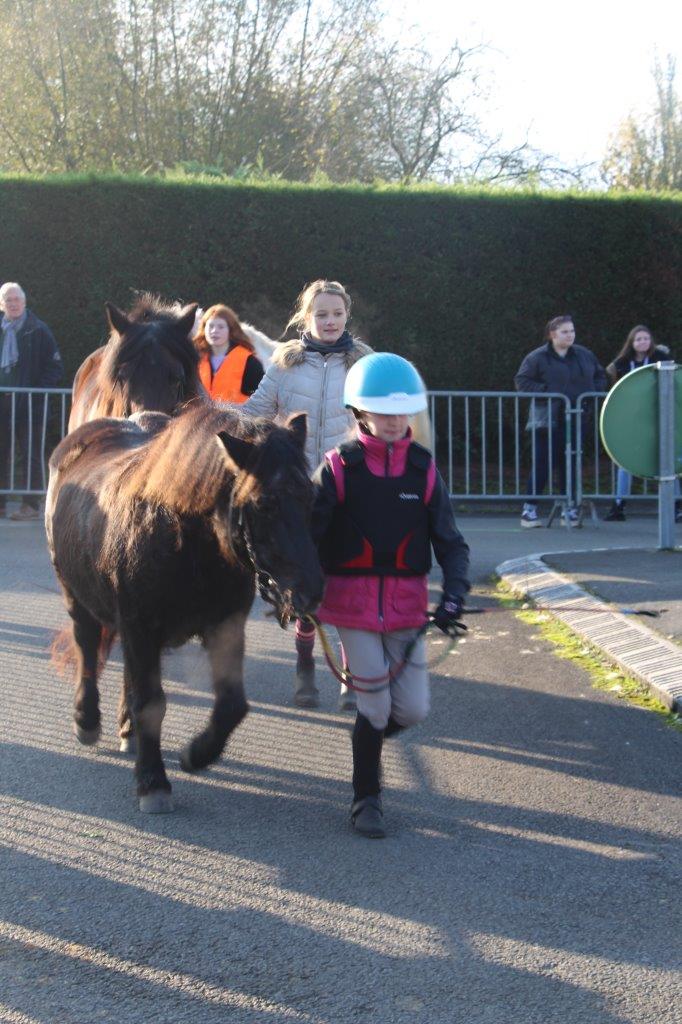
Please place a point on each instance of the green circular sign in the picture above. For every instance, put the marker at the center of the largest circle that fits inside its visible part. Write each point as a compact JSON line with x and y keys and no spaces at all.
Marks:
{"x":629,"y":422}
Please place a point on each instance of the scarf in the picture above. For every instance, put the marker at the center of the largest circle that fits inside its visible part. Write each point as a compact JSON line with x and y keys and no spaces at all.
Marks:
{"x":342,"y":344}
{"x":10,"y":349}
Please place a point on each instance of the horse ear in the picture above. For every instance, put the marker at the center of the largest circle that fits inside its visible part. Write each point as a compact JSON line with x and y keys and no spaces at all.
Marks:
{"x":239,"y":451}
{"x":118,"y":321}
{"x":298,"y":425}
{"x":185,"y":325}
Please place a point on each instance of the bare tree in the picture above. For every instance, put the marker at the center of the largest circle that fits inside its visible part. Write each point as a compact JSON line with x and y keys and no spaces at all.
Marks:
{"x":521,"y":165}
{"x":418,"y":113}
{"x":647,"y":154}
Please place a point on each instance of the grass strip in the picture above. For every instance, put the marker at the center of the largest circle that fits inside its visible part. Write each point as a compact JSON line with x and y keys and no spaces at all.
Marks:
{"x":604,"y":674}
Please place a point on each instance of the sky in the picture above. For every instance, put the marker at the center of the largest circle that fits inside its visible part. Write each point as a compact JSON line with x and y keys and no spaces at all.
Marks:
{"x":562,"y":74}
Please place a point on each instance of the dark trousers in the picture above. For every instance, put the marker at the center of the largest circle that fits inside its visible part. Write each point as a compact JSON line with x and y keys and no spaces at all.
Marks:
{"x":28,"y":467}
{"x":537,"y":479}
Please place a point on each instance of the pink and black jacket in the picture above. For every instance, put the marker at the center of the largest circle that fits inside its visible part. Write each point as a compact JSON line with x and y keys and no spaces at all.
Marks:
{"x":378,"y":511}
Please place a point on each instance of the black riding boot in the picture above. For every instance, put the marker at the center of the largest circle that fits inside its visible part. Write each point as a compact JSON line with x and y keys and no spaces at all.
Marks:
{"x":366,"y":814}
{"x":392,"y":728}
{"x":616,"y":514}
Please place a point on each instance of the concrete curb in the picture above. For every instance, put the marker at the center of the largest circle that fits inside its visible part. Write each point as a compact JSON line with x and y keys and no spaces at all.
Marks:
{"x":640,"y":652}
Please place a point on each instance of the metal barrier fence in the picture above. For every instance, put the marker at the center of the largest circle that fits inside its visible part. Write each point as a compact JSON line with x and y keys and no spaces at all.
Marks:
{"x":32,"y":422}
{"x":489,"y":445}
{"x":492,"y":445}
{"x":596,"y":473}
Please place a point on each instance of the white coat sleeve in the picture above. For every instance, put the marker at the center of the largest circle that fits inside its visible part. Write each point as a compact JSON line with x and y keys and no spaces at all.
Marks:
{"x":265,"y":400}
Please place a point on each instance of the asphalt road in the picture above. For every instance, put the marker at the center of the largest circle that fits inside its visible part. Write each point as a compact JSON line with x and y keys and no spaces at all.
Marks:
{"x":530,"y":876}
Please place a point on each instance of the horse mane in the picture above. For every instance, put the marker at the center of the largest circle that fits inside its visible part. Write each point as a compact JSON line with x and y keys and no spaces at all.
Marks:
{"x":185,"y":467}
{"x":150,"y":306}
{"x":147,"y":311}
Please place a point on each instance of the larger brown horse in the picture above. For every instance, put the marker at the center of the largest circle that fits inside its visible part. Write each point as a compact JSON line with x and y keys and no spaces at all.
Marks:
{"x":148,"y":363}
{"x":157,"y":535}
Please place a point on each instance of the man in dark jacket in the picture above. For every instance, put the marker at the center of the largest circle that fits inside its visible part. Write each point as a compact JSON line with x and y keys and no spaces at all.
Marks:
{"x":29,"y":358}
{"x":562,"y":367}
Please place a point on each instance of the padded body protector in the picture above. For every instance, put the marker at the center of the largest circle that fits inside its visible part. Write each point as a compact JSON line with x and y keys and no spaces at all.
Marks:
{"x":381,"y":528}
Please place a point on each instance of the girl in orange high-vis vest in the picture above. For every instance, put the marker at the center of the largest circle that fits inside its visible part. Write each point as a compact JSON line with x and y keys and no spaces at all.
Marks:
{"x":228,"y":368}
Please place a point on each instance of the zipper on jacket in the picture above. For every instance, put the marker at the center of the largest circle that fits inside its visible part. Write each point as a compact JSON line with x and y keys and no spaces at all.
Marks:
{"x":320,"y":425}
{"x":387,"y":463}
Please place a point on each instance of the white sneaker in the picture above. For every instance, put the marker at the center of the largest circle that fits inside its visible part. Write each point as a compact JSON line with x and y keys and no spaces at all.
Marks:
{"x":570,"y":517}
{"x":529,"y":517}
{"x":348,"y":700}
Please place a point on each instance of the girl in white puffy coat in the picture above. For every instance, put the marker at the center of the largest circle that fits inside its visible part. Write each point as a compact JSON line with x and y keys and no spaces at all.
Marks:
{"x":308,"y":375}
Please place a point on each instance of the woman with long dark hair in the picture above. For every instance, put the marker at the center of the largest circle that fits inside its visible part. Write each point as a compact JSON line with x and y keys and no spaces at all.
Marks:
{"x":639,"y":350}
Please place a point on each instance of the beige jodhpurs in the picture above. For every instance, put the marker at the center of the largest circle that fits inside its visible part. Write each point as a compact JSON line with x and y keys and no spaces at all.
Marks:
{"x":370,"y":655}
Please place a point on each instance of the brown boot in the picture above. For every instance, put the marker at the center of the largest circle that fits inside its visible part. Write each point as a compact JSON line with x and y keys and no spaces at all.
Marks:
{"x":306,"y":694}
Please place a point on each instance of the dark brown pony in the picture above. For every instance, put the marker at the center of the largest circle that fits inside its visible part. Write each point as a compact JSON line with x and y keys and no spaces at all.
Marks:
{"x":149,"y":362}
{"x":157,"y":535}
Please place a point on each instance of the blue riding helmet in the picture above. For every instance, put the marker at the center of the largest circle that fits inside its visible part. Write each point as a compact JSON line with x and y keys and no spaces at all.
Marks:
{"x":385,"y":383}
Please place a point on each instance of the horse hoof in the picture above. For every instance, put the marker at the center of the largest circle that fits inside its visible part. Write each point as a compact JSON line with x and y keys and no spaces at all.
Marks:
{"x":128,"y":745}
{"x":88,"y":737}
{"x":307,"y":699}
{"x":186,"y":760}
{"x":160,"y":802}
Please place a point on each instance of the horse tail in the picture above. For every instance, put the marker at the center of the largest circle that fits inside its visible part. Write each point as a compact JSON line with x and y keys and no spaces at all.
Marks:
{"x":63,"y":653}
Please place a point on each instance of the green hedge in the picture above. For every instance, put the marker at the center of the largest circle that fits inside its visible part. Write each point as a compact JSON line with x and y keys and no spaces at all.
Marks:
{"x":460,"y":281}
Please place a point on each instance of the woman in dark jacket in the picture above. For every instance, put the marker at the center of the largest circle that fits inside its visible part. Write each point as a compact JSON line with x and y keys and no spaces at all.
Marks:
{"x":29,"y":358}
{"x":639,"y":350}
{"x":562,"y":367}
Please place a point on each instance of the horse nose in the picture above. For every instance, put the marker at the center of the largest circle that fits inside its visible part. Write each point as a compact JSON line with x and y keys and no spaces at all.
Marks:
{"x":307,"y":597}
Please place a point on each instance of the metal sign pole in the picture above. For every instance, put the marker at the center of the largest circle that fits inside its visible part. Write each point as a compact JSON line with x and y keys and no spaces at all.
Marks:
{"x":666,"y":455}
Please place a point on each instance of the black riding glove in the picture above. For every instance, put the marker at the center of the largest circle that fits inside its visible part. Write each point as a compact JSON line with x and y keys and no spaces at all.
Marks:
{"x":448,"y":614}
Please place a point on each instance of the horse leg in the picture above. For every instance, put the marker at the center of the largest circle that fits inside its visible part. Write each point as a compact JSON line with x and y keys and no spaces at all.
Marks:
{"x":142,"y":660}
{"x":126,"y":730}
{"x":225,"y":646}
{"x":87,"y":633}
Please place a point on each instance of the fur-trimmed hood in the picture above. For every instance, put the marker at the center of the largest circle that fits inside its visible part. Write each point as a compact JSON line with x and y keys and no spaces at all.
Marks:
{"x":300,"y":379}
{"x":292,"y":353}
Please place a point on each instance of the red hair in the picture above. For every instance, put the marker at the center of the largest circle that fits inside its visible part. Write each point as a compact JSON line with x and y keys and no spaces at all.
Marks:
{"x":237,"y":335}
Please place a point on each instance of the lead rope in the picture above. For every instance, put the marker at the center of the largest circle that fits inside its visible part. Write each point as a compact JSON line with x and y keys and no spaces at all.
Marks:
{"x":379,"y":683}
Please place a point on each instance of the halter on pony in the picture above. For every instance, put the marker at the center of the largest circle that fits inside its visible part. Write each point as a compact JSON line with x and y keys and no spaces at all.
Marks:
{"x":268,"y":588}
